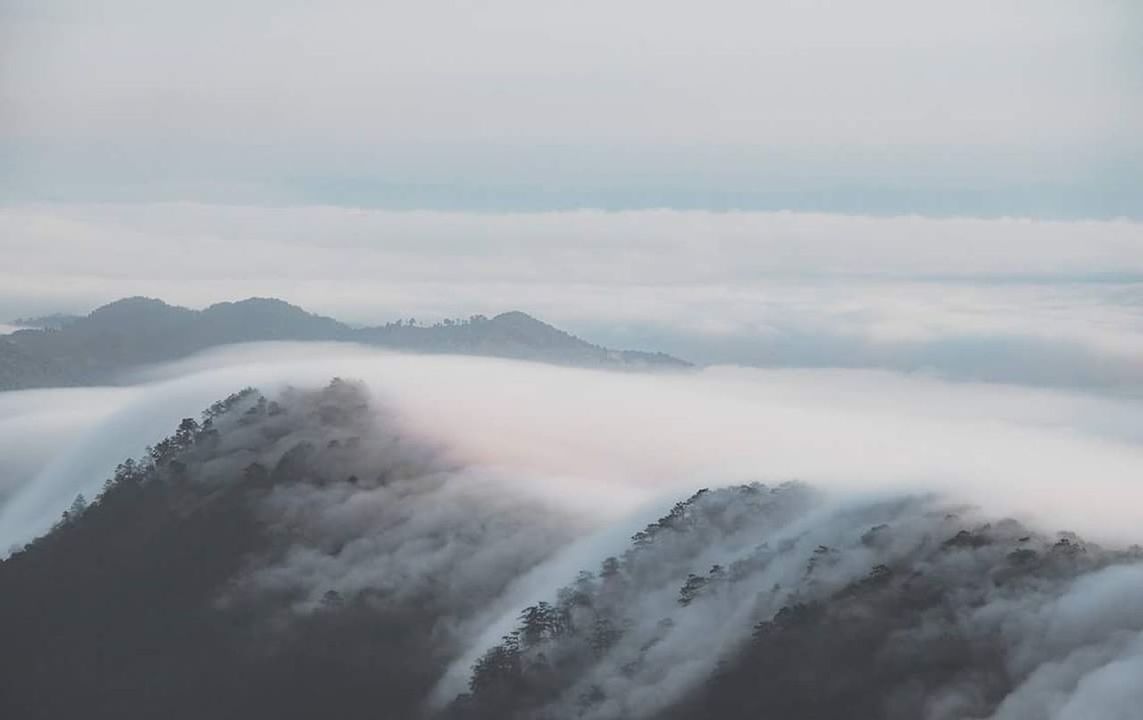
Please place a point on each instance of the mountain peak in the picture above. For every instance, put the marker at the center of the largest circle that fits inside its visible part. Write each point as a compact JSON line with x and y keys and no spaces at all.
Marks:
{"x":131,"y":303}
{"x":518,"y":318}
{"x":140,"y":330}
{"x":135,"y":307}
{"x":255,"y":303}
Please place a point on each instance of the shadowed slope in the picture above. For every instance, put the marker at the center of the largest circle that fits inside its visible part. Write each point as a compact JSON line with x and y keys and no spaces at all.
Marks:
{"x":138,"y":331}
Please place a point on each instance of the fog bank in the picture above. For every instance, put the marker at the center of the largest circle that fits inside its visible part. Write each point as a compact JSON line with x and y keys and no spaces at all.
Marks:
{"x":1065,"y":459}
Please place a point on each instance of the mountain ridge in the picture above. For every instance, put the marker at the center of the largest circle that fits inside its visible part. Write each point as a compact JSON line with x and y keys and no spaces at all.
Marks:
{"x":298,"y":555}
{"x":137,"y":330}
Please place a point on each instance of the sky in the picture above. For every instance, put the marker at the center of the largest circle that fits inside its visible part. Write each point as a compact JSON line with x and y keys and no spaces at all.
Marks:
{"x":898,"y":184}
{"x":902,"y":239}
{"x":1024,"y":108}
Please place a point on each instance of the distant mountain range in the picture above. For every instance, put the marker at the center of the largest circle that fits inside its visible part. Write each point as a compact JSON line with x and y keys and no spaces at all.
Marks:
{"x":137,"y":331}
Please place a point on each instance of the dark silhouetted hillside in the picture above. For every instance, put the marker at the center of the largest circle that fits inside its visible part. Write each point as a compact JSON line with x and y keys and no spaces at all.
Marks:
{"x":139,"y":331}
{"x":511,"y":334}
{"x":54,"y":321}
{"x":174,"y":593}
{"x":297,"y":557}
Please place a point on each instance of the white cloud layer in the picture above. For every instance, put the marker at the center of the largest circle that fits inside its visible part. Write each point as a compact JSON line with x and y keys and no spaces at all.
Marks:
{"x":576,"y":436}
{"x":1004,"y":299}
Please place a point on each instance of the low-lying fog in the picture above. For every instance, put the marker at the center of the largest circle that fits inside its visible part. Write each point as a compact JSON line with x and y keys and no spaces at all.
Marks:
{"x":608,"y":444}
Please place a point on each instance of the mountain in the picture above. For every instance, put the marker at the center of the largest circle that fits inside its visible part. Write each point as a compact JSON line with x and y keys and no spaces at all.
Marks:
{"x":511,"y":334}
{"x":297,"y":556}
{"x":287,"y":558}
{"x":19,"y":369}
{"x":54,"y":321}
{"x":137,"y":331}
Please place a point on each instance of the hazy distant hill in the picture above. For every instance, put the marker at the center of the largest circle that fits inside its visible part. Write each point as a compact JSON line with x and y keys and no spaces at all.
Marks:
{"x":18,"y":369}
{"x":511,"y":334}
{"x":54,"y":321}
{"x":136,"y":331}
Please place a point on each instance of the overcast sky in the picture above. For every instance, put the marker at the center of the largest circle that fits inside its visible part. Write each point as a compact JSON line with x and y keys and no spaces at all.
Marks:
{"x":1022,"y":107}
{"x":890,"y":183}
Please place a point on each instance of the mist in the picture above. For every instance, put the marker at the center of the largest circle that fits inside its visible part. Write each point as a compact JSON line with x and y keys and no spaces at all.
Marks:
{"x":580,"y":435}
{"x":520,"y":475}
{"x":1008,"y":300}
{"x":571,"y":361}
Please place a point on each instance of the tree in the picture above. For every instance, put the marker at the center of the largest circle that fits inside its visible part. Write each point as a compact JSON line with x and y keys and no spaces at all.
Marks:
{"x":541,"y":621}
{"x":75,"y":510}
{"x":691,"y":588}
{"x":604,"y":634}
{"x":184,"y":435}
{"x":77,"y":506}
{"x":498,"y":669}
{"x":609,"y":568}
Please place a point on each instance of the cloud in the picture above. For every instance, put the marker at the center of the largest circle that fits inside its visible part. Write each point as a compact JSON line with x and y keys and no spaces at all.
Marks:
{"x":777,"y":70}
{"x":917,"y":609}
{"x":37,"y":425}
{"x":779,"y":103}
{"x":519,"y":475}
{"x":638,"y":438}
{"x":1004,"y":300}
